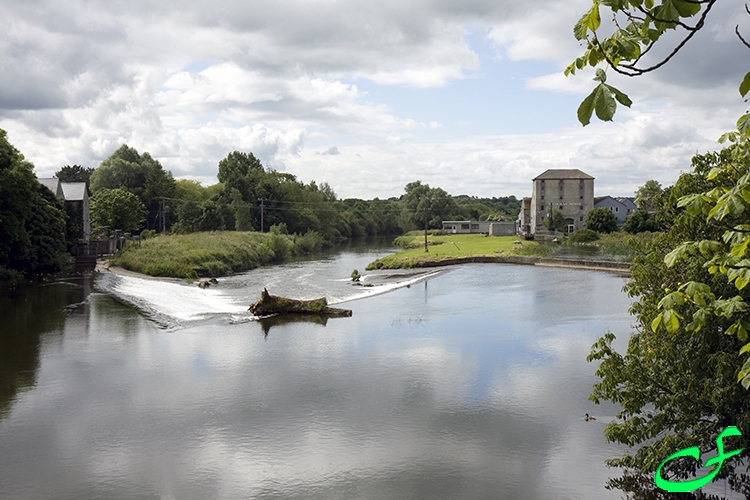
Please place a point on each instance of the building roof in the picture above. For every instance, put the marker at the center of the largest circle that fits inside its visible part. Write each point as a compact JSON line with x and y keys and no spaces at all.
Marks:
{"x":562,"y":173}
{"x":597,"y":199}
{"x":52,"y":183}
{"x":74,"y":191}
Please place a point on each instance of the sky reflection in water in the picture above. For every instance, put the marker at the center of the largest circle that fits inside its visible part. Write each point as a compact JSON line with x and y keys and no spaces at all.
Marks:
{"x":472,"y":384}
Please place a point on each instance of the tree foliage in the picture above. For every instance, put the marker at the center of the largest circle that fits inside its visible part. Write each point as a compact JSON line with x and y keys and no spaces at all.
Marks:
{"x":118,"y":209}
{"x":724,"y":204}
{"x":139,"y":174}
{"x":676,"y":382}
{"x":641,"y":221}
{"x":601,"y":220}
{"x":555,"y":221}
{"x":645,"y":194}
{"x":75,"y":173}
{"x":32,"y":219}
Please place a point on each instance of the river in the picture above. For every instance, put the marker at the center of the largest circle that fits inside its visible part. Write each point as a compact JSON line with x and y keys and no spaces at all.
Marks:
{"x":468,"y":382}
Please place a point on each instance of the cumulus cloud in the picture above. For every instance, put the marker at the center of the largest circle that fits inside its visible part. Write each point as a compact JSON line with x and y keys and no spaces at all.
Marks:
{"x":190,"y":82}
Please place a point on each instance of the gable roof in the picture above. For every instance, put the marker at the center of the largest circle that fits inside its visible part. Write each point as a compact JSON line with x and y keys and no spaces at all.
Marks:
{"x":74,"y":191}
{"x":53,"y":184}
{"x":562,"y":174}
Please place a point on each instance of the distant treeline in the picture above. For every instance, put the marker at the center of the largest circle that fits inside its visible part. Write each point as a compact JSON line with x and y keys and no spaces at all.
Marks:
{"x":251,"y":197}
{"x":132,"y":192}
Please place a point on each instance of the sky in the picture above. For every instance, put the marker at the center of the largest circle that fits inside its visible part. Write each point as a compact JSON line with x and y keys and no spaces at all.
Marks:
{"x":366,"y":95}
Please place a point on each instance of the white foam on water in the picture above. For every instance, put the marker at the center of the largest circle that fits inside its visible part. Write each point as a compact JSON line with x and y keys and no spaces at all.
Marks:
{"x":389,"y":287}
{"x":178,"y":301}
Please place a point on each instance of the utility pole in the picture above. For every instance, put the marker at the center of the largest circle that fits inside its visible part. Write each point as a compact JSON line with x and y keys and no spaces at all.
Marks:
{"x":261,"y":200}
{"x":426,"y":249}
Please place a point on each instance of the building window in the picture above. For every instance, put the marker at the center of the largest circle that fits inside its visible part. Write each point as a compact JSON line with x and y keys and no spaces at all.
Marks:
{"x":581,"y":219}
{"x":541,"y":207}
{"x":560,"y":207}
{"x":475,"y":226}
{"x":581,"y":207}
{"x":561,"y":197}
{"x":542,"y":196}
{"x":617,"y":209}
{"x":464,"y":226}
{"x":581,"y":197}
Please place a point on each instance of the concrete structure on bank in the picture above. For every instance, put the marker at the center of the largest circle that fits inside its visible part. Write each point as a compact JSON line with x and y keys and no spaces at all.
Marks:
{"x":492,"y":228}
{"x":567,"y":190}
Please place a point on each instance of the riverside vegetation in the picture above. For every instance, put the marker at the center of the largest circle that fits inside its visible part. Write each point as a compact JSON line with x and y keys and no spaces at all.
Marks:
{"x":215,"y":253}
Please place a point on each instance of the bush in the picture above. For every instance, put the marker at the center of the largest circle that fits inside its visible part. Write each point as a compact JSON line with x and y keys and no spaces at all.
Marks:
{"x":601,"y":220}
{"x":280,"y":246}
{"x":279,"y":228}
{"x":311,"y":241}
{"x":583,"y":236}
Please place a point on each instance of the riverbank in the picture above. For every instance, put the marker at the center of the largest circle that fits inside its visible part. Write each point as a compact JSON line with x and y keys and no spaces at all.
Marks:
{"x":211,"y":254}
{"x":446,"y":250}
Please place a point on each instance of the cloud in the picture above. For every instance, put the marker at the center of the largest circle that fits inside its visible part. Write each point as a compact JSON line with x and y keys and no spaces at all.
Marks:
{"x":333,"y":150}
{"x":286,"y":79}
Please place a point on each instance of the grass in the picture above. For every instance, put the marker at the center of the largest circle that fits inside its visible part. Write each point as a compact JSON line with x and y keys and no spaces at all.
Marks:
{"x":614,"y":247}
{"x":453,"y":246}
{"x":189,"y":256}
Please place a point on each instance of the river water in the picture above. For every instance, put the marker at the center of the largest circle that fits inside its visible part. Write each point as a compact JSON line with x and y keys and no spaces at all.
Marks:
{"x":469,"y":382}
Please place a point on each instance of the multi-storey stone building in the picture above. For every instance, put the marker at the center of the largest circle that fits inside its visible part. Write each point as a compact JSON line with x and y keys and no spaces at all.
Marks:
{"x":568,"y":190}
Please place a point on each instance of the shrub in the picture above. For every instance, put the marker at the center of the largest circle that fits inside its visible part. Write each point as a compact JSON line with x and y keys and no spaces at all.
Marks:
{"x":583,"y":236}
{"x":279,"y":228}
{"x":311,"y":241}
{"x":601,"y":220}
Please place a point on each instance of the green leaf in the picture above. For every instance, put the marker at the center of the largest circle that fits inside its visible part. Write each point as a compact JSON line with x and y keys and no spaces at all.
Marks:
{"x":671,"y":321}
{"x":656,"y":322}
{"x":745,"y":85}
{"x":708,"y":246}
{"x":745,"y":348}
{"x":743,"y":125}
{"x":678,"y":254}
{"x":604,"y":103}
{"x":586,"y":109}
{"x":590,"y":21}
{"x":621,"y":97}
{"x":601,"y":76}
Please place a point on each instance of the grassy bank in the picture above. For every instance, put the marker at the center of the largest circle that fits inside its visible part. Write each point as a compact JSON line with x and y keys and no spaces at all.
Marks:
{"x":617,"y":247}
{"x":447,"y":248}
{"x":189,"y":256}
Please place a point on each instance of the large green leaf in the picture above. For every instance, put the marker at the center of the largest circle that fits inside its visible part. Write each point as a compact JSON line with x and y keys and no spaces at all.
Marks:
{"x":745,"y":85}
{"x":586,"y":109}
{"x":604,"y":104}
{"x":590,"y":21}
{"x":743,"y":125}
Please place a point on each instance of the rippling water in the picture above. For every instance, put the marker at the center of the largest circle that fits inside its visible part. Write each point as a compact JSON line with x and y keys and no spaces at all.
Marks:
{"x":469,"y":383}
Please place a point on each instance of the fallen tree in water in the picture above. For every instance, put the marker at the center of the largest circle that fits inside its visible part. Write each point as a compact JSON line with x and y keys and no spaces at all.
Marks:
{"x":270,"y":304}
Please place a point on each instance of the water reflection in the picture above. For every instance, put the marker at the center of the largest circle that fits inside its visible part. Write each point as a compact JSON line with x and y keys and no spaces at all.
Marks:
{"x":26,"y":314}
{"x":470,"y":386}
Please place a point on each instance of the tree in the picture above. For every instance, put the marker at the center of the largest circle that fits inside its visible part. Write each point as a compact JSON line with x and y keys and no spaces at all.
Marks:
{"x":117,"y":209}
{"x":75,"y":173}
{"x":601,"y":220}
{"x":555,"y":221}
{"x":646,"y":193}
{"x":32,"y":219}
{"x":420,"y":201}
{"x":641,"y":221}
{"x":676,"y":388}
{"x":140,"y":174}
